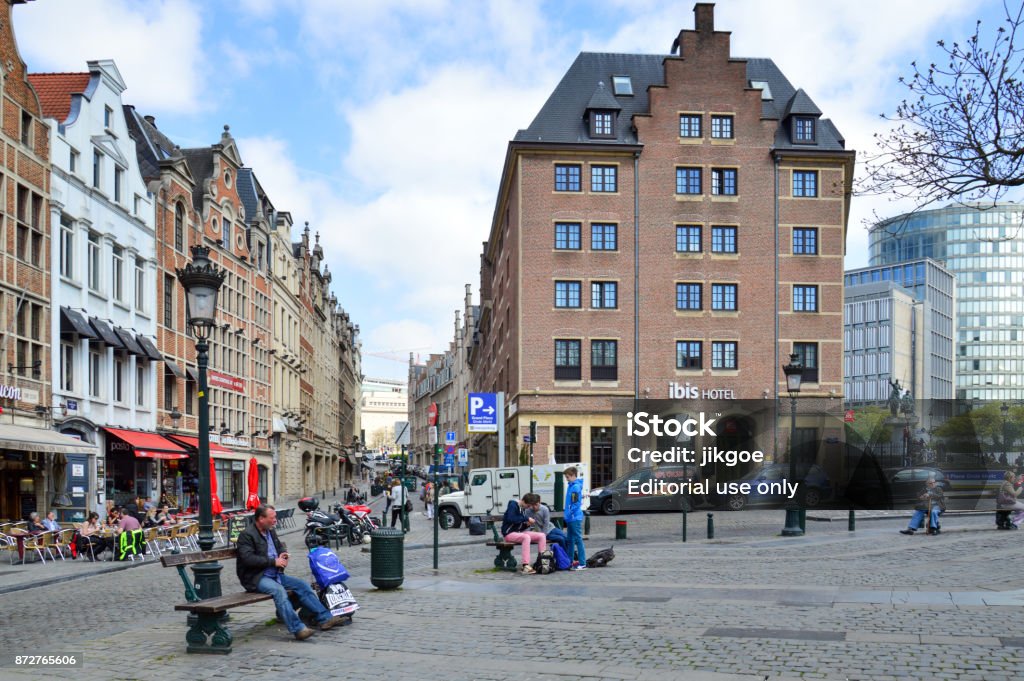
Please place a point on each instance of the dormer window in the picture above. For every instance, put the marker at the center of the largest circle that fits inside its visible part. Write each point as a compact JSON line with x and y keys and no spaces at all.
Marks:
{"x":601,"y":124}
{"x":803,"y":129}
{"x":622,"y":86}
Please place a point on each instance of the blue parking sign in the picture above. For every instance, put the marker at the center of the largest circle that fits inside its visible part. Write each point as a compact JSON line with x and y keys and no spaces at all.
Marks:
{"x":483,"y":413}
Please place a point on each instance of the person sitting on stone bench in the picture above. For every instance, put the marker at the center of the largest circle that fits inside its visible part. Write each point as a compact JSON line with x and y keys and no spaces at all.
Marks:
{"x":932,"y":502}
{"x":262,"y":559}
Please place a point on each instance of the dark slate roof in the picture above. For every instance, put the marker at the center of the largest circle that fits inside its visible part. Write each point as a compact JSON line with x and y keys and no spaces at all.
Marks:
{"x":603,"y":99}
{"x":297,"y":249}
{"x":801,"y":104}
{"x":200,"y":163}
{"x":561,"y":119}
{"x":151,"y":145}
{"x":247,"y":193}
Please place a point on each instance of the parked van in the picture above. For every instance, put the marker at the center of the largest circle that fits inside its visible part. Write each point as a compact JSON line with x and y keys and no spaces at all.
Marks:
{"x":490,"y":489}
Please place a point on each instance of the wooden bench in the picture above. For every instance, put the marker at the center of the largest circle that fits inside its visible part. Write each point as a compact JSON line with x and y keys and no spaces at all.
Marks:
{"x":206,"y":632}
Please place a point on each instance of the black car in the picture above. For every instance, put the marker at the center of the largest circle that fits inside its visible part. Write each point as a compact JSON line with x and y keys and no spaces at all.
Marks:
{"x":645,"y":496}
{"x":907,"y":484}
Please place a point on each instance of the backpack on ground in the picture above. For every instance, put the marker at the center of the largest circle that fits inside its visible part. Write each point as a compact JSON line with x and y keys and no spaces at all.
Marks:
{"x":326,"y":567}
{"x":601,"y":558}
{"x":562,"y":561}
{"x":545,"y":563}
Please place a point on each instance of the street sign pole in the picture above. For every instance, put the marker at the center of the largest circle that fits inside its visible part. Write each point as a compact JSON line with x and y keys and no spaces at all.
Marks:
{"x":437,"y":456}
{"x":501,"y":429}
{"x":533,"y":437}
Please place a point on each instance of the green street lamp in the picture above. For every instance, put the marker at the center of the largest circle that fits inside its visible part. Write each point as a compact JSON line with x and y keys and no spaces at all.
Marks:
{"x":202,"y":280}
{"x":1005,"y":411}
{"x":794,"y":375}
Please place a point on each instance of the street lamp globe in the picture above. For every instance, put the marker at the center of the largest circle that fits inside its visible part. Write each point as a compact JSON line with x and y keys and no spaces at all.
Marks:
{"x":794,"y":373}
{"x":201,"y":280}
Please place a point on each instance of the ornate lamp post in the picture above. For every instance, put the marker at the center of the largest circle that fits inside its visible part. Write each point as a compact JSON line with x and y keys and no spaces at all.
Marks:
{"x":202,"y":280}
{"x":794,"y":374}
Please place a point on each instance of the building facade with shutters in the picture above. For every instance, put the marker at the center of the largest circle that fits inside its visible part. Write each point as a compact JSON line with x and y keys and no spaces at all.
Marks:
{"x":664,"y":220}
{"x":103,"y":316}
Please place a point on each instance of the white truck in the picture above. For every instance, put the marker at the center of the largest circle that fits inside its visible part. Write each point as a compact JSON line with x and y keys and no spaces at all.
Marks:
{"x":489,"y":490}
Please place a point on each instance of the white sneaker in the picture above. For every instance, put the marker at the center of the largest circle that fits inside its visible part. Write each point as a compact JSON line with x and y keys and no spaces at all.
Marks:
{"x":528,"y":570}
{"x":578,"y":568}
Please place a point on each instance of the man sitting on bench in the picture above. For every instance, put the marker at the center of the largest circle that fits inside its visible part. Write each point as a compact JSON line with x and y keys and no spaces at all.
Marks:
{"x":262,"y":559}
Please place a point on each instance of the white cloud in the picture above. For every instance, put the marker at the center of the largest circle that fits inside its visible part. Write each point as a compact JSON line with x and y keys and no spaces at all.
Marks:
{"x":157,"y":45}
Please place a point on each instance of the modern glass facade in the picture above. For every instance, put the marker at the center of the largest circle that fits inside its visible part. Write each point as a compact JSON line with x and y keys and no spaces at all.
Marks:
{"x":984,"y":247}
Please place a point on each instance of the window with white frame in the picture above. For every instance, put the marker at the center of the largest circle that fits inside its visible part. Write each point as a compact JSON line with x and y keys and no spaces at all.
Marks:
{"x":117,"y":273}
{"x":140,"y":284}
{"x":119,"y":377}
{"x":67,"y":366}
{"x":140,"y":384}
{"x":94,"y":261}
{"x":67,"y":247}
{"x":95,"y":373}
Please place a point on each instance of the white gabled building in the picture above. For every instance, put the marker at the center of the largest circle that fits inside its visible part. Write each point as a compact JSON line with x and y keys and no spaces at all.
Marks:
{"x":103,"y":285}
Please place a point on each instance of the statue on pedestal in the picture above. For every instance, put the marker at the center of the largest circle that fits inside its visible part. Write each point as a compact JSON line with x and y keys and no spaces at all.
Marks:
{"x":894,"y":397}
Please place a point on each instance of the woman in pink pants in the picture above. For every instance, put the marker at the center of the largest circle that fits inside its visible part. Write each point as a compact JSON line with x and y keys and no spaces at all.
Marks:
{"x":515,"y":527}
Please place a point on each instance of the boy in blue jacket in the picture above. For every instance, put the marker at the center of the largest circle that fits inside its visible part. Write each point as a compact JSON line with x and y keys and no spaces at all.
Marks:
{"x":574,"y":517}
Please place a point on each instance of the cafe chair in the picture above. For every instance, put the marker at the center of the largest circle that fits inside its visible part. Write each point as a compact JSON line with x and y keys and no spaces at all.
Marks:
{"x":37,"y":543}
{"x":9,"y":545}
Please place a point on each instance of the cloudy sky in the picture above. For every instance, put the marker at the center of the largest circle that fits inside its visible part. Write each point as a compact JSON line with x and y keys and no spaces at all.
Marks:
{"x":384,"y":124}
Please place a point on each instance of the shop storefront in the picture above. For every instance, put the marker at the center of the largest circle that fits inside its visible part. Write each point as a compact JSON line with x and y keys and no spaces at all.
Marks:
{"x":134,"y":465}
{"x":41,"y":469}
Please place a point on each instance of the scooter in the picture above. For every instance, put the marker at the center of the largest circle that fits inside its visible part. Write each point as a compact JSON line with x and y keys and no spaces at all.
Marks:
{"x":324,"y":528}
{"x":361,"y":513}
{"x":328,"y":584}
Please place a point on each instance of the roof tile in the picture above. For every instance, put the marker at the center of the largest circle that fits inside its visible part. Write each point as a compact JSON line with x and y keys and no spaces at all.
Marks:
{"x":55,"y":91}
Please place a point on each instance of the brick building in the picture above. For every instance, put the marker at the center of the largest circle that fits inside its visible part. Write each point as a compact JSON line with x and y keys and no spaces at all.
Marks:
{"x":664,"y":219}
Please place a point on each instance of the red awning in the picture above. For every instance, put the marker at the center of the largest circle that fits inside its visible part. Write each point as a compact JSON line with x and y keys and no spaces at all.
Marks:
{"x":193,"y":443}
{"x":149,"y":445}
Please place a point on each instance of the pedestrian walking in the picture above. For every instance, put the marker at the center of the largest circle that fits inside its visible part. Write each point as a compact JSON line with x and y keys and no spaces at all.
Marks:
{"x":398,"y":500}
{"x":574,"y":517}
{"x":1007,"y":498}
{"x":428,"y":500}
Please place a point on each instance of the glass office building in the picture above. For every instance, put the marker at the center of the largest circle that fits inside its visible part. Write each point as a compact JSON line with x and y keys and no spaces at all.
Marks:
{"x":983,"y":247}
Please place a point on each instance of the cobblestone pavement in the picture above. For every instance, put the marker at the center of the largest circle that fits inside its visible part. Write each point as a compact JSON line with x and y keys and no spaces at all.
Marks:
{"x":868,"y":605}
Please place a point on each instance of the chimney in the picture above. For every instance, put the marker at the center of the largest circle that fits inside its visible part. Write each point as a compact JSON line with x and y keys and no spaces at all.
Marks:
{"x":704,"y":17}
{"x":151,"y":120}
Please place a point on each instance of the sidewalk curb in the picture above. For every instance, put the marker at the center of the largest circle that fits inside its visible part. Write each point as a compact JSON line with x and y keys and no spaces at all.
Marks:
{"x":860,"y":519}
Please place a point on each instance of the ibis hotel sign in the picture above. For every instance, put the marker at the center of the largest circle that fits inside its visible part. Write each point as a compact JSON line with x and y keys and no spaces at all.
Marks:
{"x":695,"y":392}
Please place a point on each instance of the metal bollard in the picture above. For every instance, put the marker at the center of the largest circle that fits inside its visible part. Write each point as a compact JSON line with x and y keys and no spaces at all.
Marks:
{"x":851,"y":524}
{"x":711,"y":525}
{"x":620,"y":529}
{"x":803,"y":519}
{"x":586,"y":524}
{"x":684,"y":526}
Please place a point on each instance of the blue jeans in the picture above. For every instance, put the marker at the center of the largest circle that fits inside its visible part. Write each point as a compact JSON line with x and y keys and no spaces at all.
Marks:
{"x":285,"y":612}
{"x":556,"y":536}
{"x":575,"y":528}
{"x":918,"y":520}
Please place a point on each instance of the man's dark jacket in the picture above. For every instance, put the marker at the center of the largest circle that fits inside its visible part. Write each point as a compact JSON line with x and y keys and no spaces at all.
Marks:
{"x":252,"y":556}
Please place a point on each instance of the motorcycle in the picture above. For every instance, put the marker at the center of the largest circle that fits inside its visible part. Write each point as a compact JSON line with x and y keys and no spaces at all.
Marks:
{"x":362,"y":514}
{"x":324,"y":528}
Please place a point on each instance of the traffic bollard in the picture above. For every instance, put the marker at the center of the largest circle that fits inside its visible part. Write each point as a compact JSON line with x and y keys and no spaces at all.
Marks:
{"x":803,"y":520}
{"x":684,"y":527}
{"x":586,"y":524}
{"x":711,"y":525}
{"x":851,"y":525}
{"x":620,"y":529}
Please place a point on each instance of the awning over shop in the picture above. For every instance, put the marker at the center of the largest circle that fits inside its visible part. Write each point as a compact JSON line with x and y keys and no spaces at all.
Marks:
{"x":129,"y":342}
{"x":72,"y":322}
{"x":193,"y":443}
{"x":192,"y":373}
{"x":149,"y":445}
{"x":105,"y":333}
{"x":25,"y":439}
{"x":149,"y":348}
{"x":173,"y":366}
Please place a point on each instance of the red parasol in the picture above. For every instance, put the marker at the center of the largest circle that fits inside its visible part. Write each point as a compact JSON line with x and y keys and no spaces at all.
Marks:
{"x":215,"y":506}
{"x":253,"y":500}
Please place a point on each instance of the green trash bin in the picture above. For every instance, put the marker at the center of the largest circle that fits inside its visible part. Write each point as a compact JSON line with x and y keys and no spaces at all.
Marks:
{"x":387,"y":558}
